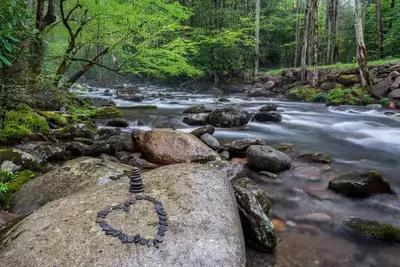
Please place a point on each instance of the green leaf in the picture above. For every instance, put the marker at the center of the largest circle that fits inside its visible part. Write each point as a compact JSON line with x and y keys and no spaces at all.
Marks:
{"x":5,"y":60}
{"x":13,"y":38}
{"x":7,"y":45}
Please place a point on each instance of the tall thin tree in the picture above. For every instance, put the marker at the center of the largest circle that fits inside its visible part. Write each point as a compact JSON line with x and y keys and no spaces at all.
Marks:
{"x":296,"y":50}
{"x":315,"y":27}
{"x":379,"y":28}
{"x":361,"y":49}
{"x":257,"y":37}
{"x":303,"y":61}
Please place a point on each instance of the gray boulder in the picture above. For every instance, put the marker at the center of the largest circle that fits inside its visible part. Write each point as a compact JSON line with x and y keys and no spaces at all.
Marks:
{"x":266,"y":158}
{"x":232,"y":170}
{"x":238,"y":148}
{"x":48,"y":152}
{"x":203,"y":225}
{"x":169,"y":122}
{"x":228,"y":117}
{"x":395,"y":84}
{"x":395,"y":94}
{"x":196,"y":119}
{"x":202,"y":130}
{"x":75,"y":130}
{"x":106,"y":133}
{"x":361,"y":184}
{"x":269,"y":85}
{"x":254,"y":206}
{"x":75,"y":175}
{"x":198,"y":109}
{"x":118,"y":123}
{"x":13,"y":159}
{"x":268,"y":116}
{"x":268,"y":108}
{"x":94,"y":150}
{"x":382,"y":88}
{"x":210,"y":141}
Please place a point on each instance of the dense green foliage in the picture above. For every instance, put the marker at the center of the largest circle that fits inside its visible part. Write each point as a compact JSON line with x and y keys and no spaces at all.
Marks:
{"x":11,"y":182}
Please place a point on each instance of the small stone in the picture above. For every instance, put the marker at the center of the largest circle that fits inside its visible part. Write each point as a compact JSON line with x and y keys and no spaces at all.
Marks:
{"x":126,"y":209}
{"x":121,"y":206}
{"x":161,"y":212}
{"x":156,"y":202}
{"x":161,"y":233}
{"x":163,"y":227}
{"x":130,"y":239}
{"x":115,"y":207}
{"x":143,"y":241}
{"x":122,"y":236}
{"x":116,"y":233}
{"x":291,"y":224}
{"x":99,"y":220}
{"x":102,"y":213}
{"x":103,"y":223}
{"x":110,"y":231}
{"x":132,"y":201}
{"x":162,"y":217}
{"x":139,"y":197}
{"x":149,"y":242}
{"x":107,"y":228}
{"x":156,"y":244}
{"x":161,"y":222}
{"x":127,"y":203}
{"x":125,"y":240}
{"x":136,"y":239}
{"x":159,"y":238}
{"x":159,"y":207}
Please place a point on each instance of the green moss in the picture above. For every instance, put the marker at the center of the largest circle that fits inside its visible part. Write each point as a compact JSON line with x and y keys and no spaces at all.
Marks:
{"x":348,"y":96}
{"x":385,"y":102}
{"x":11,"y":187}
{"x":86,"y":112}
{"x":348,"y":77}
{"x":21,"y":123}
{"x":54,"y":118}
{"x":305,"y":93}
{"x":218,"y":93}
{"x":373,"y":229}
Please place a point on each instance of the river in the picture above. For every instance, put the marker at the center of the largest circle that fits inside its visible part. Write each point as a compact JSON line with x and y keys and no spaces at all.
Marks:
{"x":356,"y":137}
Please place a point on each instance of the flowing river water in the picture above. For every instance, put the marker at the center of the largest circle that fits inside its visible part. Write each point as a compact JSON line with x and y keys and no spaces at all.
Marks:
{"x":356,"y":137}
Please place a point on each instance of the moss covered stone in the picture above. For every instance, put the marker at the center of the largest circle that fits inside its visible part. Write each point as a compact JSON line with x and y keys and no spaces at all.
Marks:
{"x":348,"y":79}
{"x":139,"y":107}
{"x":316,"y":157}
{"x":21,"y":123}
{"x":13,"y":186}
{"x":14,"y":159}
{"x":373,"y":229}
{"x":305,"y":93}
{"x":54,"y":118}
{"x":78,"y":130}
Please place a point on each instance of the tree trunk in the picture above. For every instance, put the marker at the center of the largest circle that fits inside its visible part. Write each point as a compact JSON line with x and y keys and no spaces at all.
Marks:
{"x":329,"y":9}
{"x":296,"y":50}
{"x":257,"y":37}
{"x":335,"y":42}
{"x":379,"y":28}
{"x":361,"y":49}
{"x":305,"y":44}
{"x":315,"y":24}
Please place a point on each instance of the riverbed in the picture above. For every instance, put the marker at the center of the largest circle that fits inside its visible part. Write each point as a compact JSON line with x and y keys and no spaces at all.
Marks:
{"x":356,"y":137}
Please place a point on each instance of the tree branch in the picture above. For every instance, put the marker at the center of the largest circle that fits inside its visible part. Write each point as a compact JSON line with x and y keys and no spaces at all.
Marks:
{"x":97,"y":64}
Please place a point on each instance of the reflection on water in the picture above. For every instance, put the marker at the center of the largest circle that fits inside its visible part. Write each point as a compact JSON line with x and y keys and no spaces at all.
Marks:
{"x":355,"y":137}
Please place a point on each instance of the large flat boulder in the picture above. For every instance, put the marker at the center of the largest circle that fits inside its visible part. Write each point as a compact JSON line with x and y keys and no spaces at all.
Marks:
{"x":166,"y":146}
{"x":228,"y":117}
{"x":203,"y":225}
{"x":73,"y":176}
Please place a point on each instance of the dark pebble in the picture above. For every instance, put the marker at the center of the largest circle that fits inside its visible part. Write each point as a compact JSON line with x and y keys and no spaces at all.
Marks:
{"x":159,"y":207}
{"x":115,"y":207}
{"x":117,"y":233}
{"x":163,"y":222}
{"x":102,"y":212}
{"x":107,"y":228}
{"x":127,"y":203}
{"x":136,"y":239}
{"x":125,"y":240}
{"x":162,"y":217}
{"x":156,"y":244}
{"x":130,"y":239}
{"x":163,"y":227}
{"x":101,"y":216}
{"x":132,"y":200}
{"x":121,"y":206}
{"x":156,"y":202}
{"x":159,"y":238}
{"x":161,"y":212}
{"x":136,"y":191}
{"x":126,"y":209}
{"x":122,"y":236}
{"x":103,"y":223}
{"x":149,"y":242}
{"x":110,"y":231}
{"x":143,"y":241}
{"x":99,"y":220}
{"x":139,"y":197}
{"x":160,"y":232}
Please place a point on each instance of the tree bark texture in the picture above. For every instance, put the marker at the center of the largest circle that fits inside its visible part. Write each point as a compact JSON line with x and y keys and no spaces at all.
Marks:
{"x":315,"y":26}
{"x":303,"y":62}
{"x":379,"y":28}
{"x":361,"y":49}
{"x":296,"y":50}
{"x":257,"y":37}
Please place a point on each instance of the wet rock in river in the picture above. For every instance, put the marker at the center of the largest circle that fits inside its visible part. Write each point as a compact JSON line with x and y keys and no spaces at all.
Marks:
{"x":228,"y":117}
{"x":210,"y":141}
{"x":169,"y":122}
{"x":254,"y":207}
{"x":372,"y":229}
{"x":232,"y":170}
{"x":107,"y":133}
{"x":202,"y":130}
{"x":316,"y":157}
{"x":166,"y":146}
{"x":268,"y":107}
{"x":198,"y":109}
{"x":118,"y":123}
{"x":266,"y":158}
{"x":361,"y":184}
{"x":268,"y":116}
{"x":238,"y":148}
{"x":317,"y":218}
{"x":196,"y":119}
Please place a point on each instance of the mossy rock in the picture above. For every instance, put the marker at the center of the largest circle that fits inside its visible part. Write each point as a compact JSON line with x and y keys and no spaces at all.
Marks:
{"x":139,"y":107}
{"x":197,"y":109}
{"x":348,"y":79}
{"x":305,"y":93}
{"x":361,"y":184}
{"x":106,"y":112}
{"x":118,"y":123}
{"x":316,"y":157}
{"x":284,"y":147}
{"x":55,"y":119}
{"x":79,"y":130}
{"x":373,"y":229}
{"x":15,"y":185}
{"x":14,"y":160}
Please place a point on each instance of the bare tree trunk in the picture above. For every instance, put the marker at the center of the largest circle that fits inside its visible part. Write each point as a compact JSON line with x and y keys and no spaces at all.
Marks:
{"x":305,"y":44}
{"x":315,"y":24}
{"x":335,"y":35}
{"x":329,"y":9}
{"x":116,"y":66}
{"x":379,"y":27}
{"x":361,"y":49}
{"x":257,"y":37}
{"x":296,"y":50}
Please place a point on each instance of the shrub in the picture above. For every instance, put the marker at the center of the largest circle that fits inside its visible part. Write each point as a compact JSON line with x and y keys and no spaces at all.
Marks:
{"x":306,"y":93}
{"x":385,"y":102}
{"x":350,"y":96}
{"x":11,"y":182}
